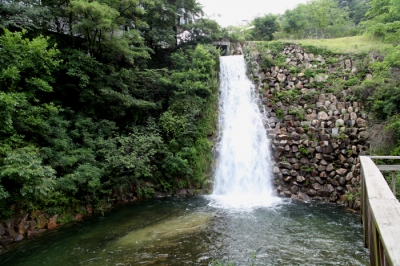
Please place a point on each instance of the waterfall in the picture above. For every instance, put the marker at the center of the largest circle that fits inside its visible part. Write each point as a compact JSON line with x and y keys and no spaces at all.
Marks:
{"x":243,"y":174}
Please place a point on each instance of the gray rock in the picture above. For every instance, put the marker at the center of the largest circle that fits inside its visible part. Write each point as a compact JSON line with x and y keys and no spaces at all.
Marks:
{"x":319,"y":180}
{"x":304,"y":160}
{"x":314,"y":173}
{"x":323,"y":175}
{"x":285,"y":165}
{"x":327,"y":149}
{"x":324,"y":137}
{"x":303,"y":196}
{"x":281,"y":77}
{"x":287,"y":193}
{"x":295,"y":136}
{"x":361,"y":122}
{"x":341,"y":171}
{"x":182,"y":192}
{"x":341,"y":105}
{"x":21,"y":227}
{"x":329,"y":157}
{"x":18,"y":238}
{"x":285,"y":171}
{"x":296,"y":166}
{"x":330,"y":188}
{"x":339,"y":123}
{"x":300,"y":179}
{"x":32,"y":225}
{"x":316,"y":186}
{"x":322,"y":116}
{"x":287,"y":178}
{"x":295,"y":148}
{"x":333,"y":182}
{"x":323,"y":193}
{"x":349,"y":176}
{"x":294,"y":189}
{"x":311,"y":192}
{"x":10,"y":228}
{"x":288,"y":117}
{"x":347,"y":63}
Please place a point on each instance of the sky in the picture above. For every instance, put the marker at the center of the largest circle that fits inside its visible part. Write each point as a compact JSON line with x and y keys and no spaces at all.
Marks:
{"x":239,"y":12}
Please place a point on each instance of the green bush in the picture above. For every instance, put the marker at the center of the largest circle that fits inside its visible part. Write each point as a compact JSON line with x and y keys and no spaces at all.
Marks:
{"x":352,"y":82}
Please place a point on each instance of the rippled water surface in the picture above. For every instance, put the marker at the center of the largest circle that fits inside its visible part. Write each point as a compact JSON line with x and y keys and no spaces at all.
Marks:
{"x":191,"y":232}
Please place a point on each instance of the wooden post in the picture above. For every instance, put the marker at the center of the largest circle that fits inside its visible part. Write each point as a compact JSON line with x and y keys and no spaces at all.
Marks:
{"x":394,"y":183}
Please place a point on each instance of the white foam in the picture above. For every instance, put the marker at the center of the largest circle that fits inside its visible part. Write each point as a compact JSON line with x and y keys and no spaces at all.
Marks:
{"x":243,"y":202}
{"x":244,"y":170}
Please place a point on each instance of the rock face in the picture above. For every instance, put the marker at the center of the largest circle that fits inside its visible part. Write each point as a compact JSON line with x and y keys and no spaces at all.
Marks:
{"x":316,"y":135}
{"x":52,"y":222}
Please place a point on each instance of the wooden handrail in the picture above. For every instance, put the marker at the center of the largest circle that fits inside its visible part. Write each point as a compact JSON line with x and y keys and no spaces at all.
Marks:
{"x":384,"y":157}
{"x":389,"y":168}
{"x":380,"y":212}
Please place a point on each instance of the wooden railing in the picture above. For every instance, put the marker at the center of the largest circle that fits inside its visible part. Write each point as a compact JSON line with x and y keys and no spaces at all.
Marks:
{"x":392,"y":168}
{"x":380,"y":212}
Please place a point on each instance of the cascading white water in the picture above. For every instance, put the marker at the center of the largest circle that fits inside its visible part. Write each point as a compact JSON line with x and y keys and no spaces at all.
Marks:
{"x":244,"y":170}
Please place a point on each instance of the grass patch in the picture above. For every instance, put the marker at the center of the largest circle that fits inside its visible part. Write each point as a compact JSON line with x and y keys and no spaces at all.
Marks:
{"x":354,"y":44}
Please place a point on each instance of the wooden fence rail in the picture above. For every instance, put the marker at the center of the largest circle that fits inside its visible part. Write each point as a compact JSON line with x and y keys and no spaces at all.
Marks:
{"x":380,"y":212}
{"x":392,"y":168}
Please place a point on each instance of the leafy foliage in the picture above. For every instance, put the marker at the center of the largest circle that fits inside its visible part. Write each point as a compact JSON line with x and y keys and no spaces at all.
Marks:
{"x":86,"y":117}
{"x":321,"y":19}
{"x":265,"y":27}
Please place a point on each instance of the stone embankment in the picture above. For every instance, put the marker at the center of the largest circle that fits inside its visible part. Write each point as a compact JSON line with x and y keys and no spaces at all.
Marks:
{"x":315,"y":131}
{"x":34,"y":223}
{"x":29,"y":225}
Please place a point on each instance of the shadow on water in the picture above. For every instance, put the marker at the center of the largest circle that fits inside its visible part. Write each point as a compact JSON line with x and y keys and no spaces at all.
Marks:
{"x":191,"y":232}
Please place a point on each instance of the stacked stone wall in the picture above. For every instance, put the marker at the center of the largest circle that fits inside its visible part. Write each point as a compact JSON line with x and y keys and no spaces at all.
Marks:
{"x":316,"y":135}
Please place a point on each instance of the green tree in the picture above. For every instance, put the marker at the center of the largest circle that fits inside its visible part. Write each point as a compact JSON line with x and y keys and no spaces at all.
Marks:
{"x":102,"y":25}
{"x":165,"y":20}
{"x":384,"y":20}
{"x":295,"y":21}
{"x":201,"y":31}
{"x":25,"y":77}
{"x":324,"y":13}
{"x":189,"y":117}
{"x":80,"y":123}
{"x":29,"y":14}
{"x":356,"y":9}
{"x":264,"y":27}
